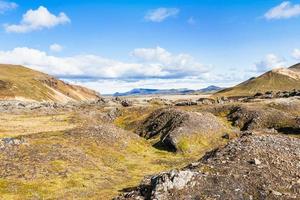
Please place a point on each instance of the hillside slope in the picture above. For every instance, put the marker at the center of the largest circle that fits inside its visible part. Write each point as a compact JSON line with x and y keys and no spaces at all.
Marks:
{"x":295,"y":67}
{"x":21,"y":83}
{"x":280,"y":79}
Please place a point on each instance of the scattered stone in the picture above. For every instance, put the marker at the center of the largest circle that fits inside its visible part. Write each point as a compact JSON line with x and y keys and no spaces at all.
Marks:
{"x":9,"y":142}
{"x":31,"y":106}
{"x":235,"y":177}
{"x":276,"y":193}
{"x":255,"y":161}
{"x":206,"y":101}
{"x":126,"y":103}
{"x":259,"y":94}
{"x":226,"y":136}
{"x":185,"y":103}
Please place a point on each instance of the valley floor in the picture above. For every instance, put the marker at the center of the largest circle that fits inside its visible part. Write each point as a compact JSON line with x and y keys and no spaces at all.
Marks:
{"x":94,"y":151}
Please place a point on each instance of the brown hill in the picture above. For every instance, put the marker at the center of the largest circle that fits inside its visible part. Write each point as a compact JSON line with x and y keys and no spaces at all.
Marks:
{"x":21,"y":83}
{"x":280,"y":79}
{"x":295,"y":67}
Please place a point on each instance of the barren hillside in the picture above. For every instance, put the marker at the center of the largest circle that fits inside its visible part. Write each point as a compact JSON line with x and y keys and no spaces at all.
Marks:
{"x":21,"y":83}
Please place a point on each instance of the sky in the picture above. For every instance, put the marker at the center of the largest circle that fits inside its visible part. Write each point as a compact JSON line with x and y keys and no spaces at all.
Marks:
{"x":115,"y":45}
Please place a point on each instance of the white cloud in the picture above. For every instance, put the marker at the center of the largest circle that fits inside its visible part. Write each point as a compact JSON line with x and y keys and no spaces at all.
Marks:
{"x":6,"y":6}
{"x":283,"y":11}
{"x":181,"y":64}
{"x":36,"y":20}
{"x":270,"y":61}
{"x":154,"y":68}
{"x":56,"y":47}
{"x":110,"y":86}
{"x":160,"y":14}
{"x":151,"y":63}
{"x":296,"y":54}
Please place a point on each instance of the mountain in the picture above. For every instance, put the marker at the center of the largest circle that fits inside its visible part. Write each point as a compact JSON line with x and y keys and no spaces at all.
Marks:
{"x":21,"y":83}
{"x":211,"y":88}
{"x":280,"y":79}
{"x":144,"y":91}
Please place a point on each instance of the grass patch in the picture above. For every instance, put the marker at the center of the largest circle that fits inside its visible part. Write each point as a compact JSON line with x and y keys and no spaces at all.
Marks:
{"x":131,"y":117}
{"x":17,"y":125}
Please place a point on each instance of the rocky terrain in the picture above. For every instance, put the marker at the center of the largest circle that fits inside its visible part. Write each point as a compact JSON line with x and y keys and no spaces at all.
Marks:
{"x":250,"y":167}
{"x":221,"y":149}
{"x":160,"y":147}
{"x":179,"y":130}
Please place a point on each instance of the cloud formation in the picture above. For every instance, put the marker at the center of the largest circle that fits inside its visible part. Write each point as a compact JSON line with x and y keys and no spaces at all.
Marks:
{"x":161,"y":14}
{"x":6,"y":6}
{"x":37,"y":20}
{"x":284,"y":10}
{"x":296,"y":54}
{"x":174,"y":65}
{"x":152,"y":68}
{"x":270,"y":62}
{"x":55,"y":47}
{"x":151,"y":63}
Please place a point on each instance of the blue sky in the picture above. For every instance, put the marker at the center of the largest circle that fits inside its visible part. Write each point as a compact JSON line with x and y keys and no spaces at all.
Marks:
{"x":118,"y":45}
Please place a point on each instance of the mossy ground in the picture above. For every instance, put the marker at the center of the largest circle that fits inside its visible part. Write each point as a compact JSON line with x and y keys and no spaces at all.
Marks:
{"x":131,"y":117}
{"x":55,"y":165}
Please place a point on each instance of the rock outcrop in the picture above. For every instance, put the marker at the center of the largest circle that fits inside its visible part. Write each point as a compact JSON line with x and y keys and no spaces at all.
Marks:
{"x":172,"y":126}
{"x":256,"y":117}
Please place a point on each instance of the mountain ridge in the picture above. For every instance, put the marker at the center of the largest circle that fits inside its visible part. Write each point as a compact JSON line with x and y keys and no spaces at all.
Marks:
{"x":149,"y":91}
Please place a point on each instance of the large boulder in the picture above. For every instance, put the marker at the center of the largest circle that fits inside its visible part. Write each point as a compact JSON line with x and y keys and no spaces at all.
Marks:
{"x":177,"y":129}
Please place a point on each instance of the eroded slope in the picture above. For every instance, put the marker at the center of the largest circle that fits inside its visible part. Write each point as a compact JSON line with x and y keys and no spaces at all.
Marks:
{"x":21,"y":83}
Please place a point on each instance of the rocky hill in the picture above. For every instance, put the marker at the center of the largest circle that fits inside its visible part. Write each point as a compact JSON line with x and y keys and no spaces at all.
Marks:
{"x":281,"y":79}
{"x":179,"y":130}
{"x":21,"y":83}
{"x":250,"y":167}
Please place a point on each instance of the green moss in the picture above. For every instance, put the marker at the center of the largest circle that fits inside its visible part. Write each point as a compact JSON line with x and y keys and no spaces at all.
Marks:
{"x":131,"y":117}
{"x":184,"y":145}
{"x":16,"y":189}
{"x":200,"y":142}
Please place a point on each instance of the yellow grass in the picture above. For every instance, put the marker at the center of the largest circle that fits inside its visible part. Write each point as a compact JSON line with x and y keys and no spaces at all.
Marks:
{"x":16,"y":125}
{"x":93,"y":169}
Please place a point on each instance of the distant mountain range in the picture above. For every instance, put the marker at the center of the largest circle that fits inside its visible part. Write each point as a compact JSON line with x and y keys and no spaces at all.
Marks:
{"x":182,"y":91}
{"x":279,"y":79}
